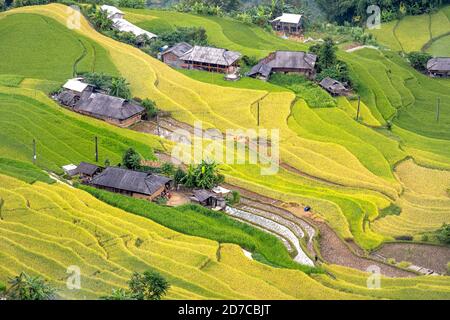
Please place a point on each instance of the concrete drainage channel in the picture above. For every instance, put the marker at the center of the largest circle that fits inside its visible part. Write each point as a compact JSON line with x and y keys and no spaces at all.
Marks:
{"x":285,"y":229}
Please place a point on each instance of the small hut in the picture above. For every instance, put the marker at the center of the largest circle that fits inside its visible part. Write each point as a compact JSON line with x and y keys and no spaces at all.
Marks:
{"x":334,"y":87}
{"x":439,"y":67}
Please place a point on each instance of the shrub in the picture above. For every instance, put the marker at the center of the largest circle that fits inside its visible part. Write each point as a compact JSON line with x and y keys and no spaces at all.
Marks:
{"x":418,"y":60}
{"x":404,"y":238}
{"x":234,"y":198}
{"x":25,"y":287}
{"x":425,"y":238}
{"x":391,"y":210}
{"x":404,"y":264}
{"x":150,"y":107}
{"x":443,"y":234}
{"x":391,"y":261}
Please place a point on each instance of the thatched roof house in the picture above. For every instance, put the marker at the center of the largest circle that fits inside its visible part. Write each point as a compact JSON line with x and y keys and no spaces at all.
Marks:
{"x":439,"y":67}
{"x":285,"y":61}
{"x":333,"y":86}
{"x":133,"y":183}
{"x":202,"y":58}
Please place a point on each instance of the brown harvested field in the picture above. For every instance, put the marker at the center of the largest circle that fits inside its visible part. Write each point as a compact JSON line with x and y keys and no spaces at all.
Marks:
{"x":423,"y":255}
{"x":335,"y":251}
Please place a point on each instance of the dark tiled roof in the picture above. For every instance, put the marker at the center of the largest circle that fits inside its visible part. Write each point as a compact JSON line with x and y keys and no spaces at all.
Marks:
{"x":211,"y":55}
{"x":202,"y":195}
{"x":332,"y":85}
{"x":439,"y":64}
{"x":67,"y":98}
{"x":86,"y":168}
{"x":132,"y":181}
{"x":179,"y":49}
{"x":284,"y":60}
{"x":102,"y":105}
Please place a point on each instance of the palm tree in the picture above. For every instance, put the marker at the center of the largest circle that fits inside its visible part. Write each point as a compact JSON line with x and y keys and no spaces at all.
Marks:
{"x":25,"y":287}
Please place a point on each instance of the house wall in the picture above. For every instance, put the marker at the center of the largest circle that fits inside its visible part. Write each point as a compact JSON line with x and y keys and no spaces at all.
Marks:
{"x":307,"y":72}
{"x":292,"y":28}
{"x":123,"y":124}
{"x":172,"y":60}
{"x":147,"y":197}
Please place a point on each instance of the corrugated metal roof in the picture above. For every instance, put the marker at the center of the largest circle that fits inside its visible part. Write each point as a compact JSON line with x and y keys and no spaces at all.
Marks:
{"x":289,"y":18}
{"x":179,"y":49}
{"x":439,"y":64}
{"x":111,"y":10}
{"x":131,"y":181}
{"x":211,"y":55}
{"x":126,"y":26}
{"x":75,"y":85}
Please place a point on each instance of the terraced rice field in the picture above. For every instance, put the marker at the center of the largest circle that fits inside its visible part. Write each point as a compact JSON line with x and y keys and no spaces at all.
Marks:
{"x":50,"y":51}
{"x":342,"y":168}
{"x":427,"y":29}
{"x":46,"y":228}
{"x":62,"y":137}
{"x":425,"y":202}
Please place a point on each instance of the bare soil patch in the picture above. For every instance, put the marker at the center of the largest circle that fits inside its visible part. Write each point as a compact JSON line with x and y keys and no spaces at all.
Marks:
{"x":423,"y":255}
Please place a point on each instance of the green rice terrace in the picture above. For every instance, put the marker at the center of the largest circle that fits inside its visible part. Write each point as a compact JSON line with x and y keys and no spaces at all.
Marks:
{"x":373,"y":182}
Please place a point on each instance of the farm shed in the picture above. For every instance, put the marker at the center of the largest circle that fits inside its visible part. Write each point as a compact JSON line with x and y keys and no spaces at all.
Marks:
{"x":208,"y":199}
{"x":287,"y":62}
{"x":136,"y":184}
{"x":203,"y":58}
{"x":334,"y":87}
{"x":85,"y":170}
{"x":113,"y":12}
{"x":288,"y":23}
{"x":122,"y":25}
{"x":439,"y":67}
{"x":172,"y":55}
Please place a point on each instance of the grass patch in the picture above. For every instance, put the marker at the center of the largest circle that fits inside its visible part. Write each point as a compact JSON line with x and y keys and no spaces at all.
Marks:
{"x":307,"y":90}
{"x":35,"y":46}
{"x":23,"y":171}
{"x":198,"y":221}
{"x":392,"y":210}
{"x":10,"y":80}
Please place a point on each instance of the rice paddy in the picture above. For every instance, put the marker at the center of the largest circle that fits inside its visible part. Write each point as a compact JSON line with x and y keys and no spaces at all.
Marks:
{"x":342,"y":168}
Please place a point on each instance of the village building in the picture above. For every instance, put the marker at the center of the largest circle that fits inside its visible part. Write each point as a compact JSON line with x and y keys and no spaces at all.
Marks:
{"x":202,"y":58}
{"x":439,"y":67}
{"x":287,"y":62}
{"x":135,"y":184}
{"x":172,"y":55}
{"x":288,"y":23}
{"x":112,"y":12}
{"x":208,"y":199}
{"x":123,"y":25}
{"x":80,"y":98}
{"x":86,"y":171}
{"x":334,"y":87}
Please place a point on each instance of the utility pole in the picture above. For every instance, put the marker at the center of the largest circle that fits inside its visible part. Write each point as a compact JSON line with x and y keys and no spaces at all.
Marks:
{"x":96,"y":148}
{"x":34,"y":151}
{"x":359,"y":108}
{"x":438,"y":109}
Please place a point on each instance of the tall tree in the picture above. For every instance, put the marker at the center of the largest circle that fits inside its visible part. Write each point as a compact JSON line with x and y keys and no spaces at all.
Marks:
{"x":131,"y":159}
